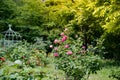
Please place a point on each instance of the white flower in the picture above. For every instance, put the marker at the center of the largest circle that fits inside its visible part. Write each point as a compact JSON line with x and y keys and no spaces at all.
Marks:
{"x":51,"y":46}
{"x":18,"y":62}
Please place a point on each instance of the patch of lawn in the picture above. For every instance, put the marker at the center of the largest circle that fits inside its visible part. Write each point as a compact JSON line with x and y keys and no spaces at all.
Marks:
{"x":105,"y":72}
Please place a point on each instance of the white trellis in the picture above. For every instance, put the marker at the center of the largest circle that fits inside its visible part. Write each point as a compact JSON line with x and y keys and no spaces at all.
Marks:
{"x":11,"y":37}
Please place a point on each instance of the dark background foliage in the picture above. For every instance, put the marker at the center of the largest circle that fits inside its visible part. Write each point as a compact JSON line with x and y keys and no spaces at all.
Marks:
{"x":87,"y":18}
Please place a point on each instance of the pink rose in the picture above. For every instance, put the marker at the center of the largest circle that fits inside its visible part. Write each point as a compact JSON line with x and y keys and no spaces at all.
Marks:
{"x":62,"y":34}
{"x":56,"y":54}
{"x":67,"y":46}
{"x":69,"y":52}
{"x":83,"y":47}
{"x":64,"y":38}
{"x":56,"y":48}
{"x":56,"y":41}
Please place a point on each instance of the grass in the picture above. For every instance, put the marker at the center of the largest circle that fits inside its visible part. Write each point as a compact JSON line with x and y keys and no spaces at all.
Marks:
{"x":104,"y":73}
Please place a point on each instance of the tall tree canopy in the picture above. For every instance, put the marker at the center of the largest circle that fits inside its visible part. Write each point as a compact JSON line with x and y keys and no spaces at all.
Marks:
{"x":90,"y":19}
{"x":7,"y":10}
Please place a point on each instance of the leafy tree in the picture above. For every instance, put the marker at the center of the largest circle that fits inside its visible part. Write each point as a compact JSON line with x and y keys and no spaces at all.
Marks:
{"x":47,"y":18}
{"x":108,"y":12}
{"x":7,"y":10}
{"x":74,"y":15}
{"x":29,"y":18}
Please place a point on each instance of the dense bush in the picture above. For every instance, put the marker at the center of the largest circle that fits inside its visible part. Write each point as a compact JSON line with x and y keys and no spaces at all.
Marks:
{"x":71,"y":57}
{"x":23,"y":61}
{"x":112,"y":44}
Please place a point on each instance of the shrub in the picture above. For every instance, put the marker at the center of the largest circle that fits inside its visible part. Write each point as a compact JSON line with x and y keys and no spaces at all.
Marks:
{"x":25,"y":62}
{"x":112,"y":44}
{"x":29,"y":54}
{"x":71,"y":57}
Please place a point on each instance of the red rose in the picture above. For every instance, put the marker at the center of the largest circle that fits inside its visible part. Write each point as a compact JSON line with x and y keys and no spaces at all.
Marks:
{"x":2,"y":59}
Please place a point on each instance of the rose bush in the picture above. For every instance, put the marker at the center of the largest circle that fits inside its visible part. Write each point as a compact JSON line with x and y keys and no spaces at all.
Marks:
{"x":71,"y":60}
{"x":72,"y":57}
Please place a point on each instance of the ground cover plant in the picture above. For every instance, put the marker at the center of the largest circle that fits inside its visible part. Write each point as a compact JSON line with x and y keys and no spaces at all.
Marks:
{"x":24,"y":61}
{"x":109,"y":71}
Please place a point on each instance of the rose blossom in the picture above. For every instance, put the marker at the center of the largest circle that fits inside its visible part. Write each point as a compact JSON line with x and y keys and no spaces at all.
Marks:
{"x":56,"y":48}
{"x":69,"y":52}
{"x":67,"y":46}
{"x":62,"y":34}
{"x":83,"y":47}
{"x":64,"y":38}
{"x":56,"y":54}
{"x":56,"y":41}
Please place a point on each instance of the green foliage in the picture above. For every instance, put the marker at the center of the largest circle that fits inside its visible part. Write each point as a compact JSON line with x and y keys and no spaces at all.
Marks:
{"x":7,"y":13}
{"x":7,"y":9}
{"x":24,"y":61}
{"x":50,"y":17}
{"x":107,"y":13}
{"x":29,"y":18}
{"x":77,"y":62}
{"x":30,"y":13}
{"x":89,"y":18}
{"x":26,"y":53}
{"x":39,"y":73}
{"x":115,"y":74}
{"x":111,"y":43}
